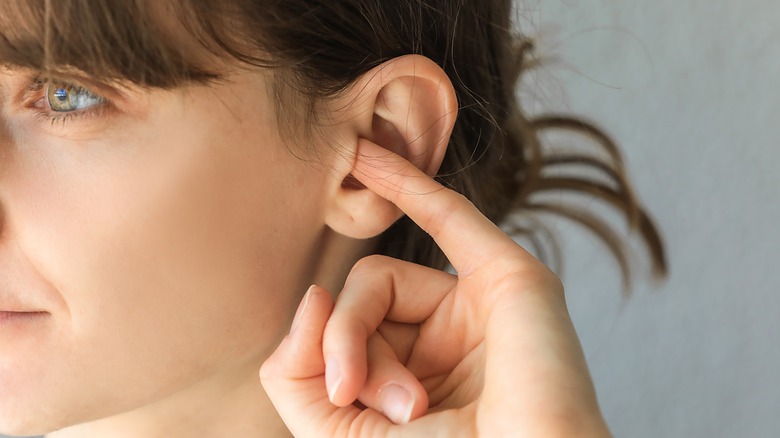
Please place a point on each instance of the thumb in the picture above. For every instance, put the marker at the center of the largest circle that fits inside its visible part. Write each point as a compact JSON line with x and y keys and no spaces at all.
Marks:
{"x":294,"y":375}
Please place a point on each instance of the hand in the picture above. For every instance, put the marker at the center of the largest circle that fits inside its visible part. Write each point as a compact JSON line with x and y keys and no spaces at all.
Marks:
{"x":490,"y":352}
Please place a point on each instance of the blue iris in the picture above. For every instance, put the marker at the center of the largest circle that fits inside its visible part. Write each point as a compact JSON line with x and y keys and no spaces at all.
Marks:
{"x":61,"y":94}
{"x":63,"y":97}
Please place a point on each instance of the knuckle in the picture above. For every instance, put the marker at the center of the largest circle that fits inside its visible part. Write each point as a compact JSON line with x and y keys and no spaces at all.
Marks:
{"x":369,"y":265}
{"x":452,"y":203}
{"x":549,"y":279}
{"x":532,"y":274}
{"x":546,"y":279}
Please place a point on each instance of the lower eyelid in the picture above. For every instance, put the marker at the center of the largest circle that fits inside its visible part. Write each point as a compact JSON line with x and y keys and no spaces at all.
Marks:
{"x":62,"y":119}
{"x":24,"y":96}
{"x":116,"y":100}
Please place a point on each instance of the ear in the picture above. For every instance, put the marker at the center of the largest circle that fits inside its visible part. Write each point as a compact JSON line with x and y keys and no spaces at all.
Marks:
{"x":407,"y":106}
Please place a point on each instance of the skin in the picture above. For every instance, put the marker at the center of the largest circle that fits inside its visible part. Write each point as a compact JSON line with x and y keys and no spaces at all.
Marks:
{"x":168,"y":241}
{"x":157,"y":237}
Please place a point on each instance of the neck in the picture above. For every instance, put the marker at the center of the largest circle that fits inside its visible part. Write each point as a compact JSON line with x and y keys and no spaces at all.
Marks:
{"x":337,"y":257}
{"x":229,"y":404}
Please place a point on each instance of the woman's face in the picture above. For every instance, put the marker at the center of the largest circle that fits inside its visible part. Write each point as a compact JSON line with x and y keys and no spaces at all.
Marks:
{"x":163,"y":233}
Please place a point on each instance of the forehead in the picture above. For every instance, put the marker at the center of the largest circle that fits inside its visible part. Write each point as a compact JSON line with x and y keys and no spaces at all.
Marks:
{"x":144,"y":42}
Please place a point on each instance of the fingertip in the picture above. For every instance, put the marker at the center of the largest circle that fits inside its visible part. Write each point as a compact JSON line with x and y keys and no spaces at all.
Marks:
{"x":345,"y":364}
{"x":343,"y":380}
{"x":396,"y":403}
{"x":299,"y":355}
{"x":390,"y":387}
{"x":333,"y":380}
{"x":302,"y":308}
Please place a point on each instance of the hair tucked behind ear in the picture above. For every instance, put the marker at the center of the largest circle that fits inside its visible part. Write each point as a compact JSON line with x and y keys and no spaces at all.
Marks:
{"x":319,"y":48}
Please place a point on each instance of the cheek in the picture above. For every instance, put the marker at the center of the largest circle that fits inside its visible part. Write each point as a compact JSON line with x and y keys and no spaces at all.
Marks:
{"x":172,"y":252}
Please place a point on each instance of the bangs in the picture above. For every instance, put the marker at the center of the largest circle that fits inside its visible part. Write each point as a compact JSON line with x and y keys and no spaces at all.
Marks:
{"x":111,"y":40}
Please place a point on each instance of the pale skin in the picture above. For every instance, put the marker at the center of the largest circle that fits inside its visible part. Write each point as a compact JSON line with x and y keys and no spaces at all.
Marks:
{"x":169,"y":239}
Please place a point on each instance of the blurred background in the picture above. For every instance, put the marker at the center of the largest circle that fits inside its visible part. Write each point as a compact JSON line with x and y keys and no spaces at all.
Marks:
{"x":689,"y":90}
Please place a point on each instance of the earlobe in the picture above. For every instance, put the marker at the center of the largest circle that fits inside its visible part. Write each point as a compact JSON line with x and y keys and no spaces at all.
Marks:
{"x":408,"y":107}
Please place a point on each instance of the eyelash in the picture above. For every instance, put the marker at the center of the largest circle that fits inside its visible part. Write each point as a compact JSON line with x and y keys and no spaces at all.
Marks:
{"x":38,"y":102}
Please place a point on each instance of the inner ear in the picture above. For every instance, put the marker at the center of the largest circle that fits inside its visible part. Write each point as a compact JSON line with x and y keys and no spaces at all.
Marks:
{"x":385,"y":133}
{"x":351,"y":183}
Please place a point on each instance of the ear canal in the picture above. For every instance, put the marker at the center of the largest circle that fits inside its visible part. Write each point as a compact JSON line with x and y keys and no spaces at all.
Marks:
{"x":386,"y":134}
{"x":351,"y":183}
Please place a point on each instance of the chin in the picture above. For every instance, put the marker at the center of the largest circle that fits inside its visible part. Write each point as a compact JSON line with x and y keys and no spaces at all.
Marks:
{"x":27,"y":415}
{"x":22,"y":425}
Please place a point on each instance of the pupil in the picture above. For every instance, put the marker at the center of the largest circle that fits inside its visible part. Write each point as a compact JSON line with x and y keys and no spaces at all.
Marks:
{"x":61,"y":94}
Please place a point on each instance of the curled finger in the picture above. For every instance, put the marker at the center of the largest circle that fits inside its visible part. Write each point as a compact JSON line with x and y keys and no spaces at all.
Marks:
{"x":390,"y":388}
{"x":378,"y":288}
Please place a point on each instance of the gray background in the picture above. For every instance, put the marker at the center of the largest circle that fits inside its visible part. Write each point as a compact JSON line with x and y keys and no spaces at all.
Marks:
{"x":688,"y":88}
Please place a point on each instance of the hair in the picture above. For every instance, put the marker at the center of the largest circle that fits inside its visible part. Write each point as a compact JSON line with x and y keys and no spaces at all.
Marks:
{"x":317,"y":49}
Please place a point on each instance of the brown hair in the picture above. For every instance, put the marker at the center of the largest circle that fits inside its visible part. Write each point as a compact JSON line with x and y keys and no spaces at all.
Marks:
{"x":317,"y":49}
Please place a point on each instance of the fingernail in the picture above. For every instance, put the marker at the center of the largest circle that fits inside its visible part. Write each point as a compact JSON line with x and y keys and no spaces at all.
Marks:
{"x":301,"y":310}
{"x":332,"y":377}
{"x":396,"y":403}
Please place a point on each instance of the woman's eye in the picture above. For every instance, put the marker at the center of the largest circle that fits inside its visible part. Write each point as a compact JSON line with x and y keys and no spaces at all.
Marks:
{"x":66,"y":98}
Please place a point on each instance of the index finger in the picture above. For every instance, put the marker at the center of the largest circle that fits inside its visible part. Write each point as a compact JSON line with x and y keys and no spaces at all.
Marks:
{"x":467,"y":237}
